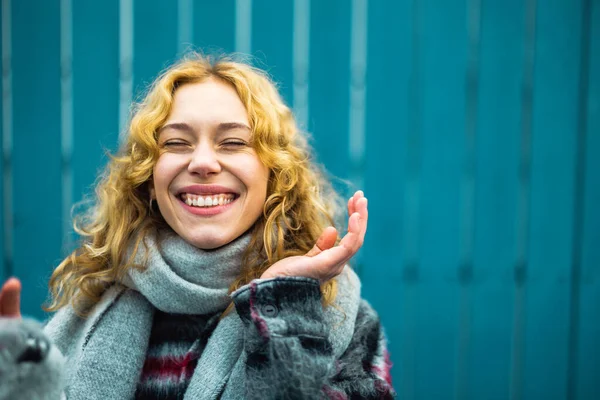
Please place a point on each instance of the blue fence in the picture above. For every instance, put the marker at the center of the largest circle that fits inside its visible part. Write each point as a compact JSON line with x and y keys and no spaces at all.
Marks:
{"x":472,"y":125}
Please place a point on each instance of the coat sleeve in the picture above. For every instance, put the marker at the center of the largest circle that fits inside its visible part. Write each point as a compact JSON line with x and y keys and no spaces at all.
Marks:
{"x":289,"y":354}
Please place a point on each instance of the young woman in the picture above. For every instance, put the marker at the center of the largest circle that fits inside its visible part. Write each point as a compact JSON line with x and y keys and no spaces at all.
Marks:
{"x":210,"y":267}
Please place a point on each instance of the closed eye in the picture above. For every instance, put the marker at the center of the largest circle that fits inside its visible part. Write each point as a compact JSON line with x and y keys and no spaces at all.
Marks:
{"x":234,"y":143}
{"x":174,"y":143}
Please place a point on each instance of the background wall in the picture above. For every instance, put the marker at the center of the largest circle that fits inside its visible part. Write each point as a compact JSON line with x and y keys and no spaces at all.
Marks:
{"x":472,"y":125}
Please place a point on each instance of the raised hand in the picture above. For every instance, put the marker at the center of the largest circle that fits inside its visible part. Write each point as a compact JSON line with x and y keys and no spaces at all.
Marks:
{"x":10,"y":299}
{"x":325,"y":261}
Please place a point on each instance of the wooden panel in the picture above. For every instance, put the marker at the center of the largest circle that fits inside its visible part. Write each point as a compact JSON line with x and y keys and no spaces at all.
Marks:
{"x":588,"y":340}
{"x":95,"y":90}
{"x":154,"y":41}
{"x":273,"y":52}
{"x":555,"y":95}
{"x":37,"y":151}
{"x":214,"y":26}
{"x":444,"y":47}
{"x":4,"y":268}
{"x":328,"y":87}
{"x":496,"y":171}
{"x":392,"y":149}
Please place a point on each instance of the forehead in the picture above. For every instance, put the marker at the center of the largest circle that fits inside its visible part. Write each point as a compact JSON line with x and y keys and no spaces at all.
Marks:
{"x":206,"y":101}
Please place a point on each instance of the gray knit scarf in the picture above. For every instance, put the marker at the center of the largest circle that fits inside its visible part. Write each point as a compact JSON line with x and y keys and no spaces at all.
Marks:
{"x":106,"y":352}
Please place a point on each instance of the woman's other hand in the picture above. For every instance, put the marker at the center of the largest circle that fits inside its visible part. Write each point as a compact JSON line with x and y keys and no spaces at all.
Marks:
{"x":325,"y":260}
{"x":10,"y":299}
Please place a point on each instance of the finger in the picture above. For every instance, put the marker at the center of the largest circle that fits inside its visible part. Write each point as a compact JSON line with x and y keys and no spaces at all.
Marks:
{"x":10,"y":298}
{"x":324,"y":242}
{"x":354,"y":223}
{"x":352,"y":201}
{"x":351,"y":239}
{"x":330,"y":263}
{"x":363,"y":211}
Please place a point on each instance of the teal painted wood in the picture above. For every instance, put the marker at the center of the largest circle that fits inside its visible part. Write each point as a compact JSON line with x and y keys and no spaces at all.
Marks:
{"x":4,"y":271}
{"x":328,"y":85}
{"x":558,"y":30}
{"x":587,"y":362}
{"x":442,"y":83}
{"x":390,"y":271}
{"x":496,"y":171}
{"x":275,"y":56}
{"x":214,"y":26}
{"x":36,"y":154}
{"x":95,"y":91}
{"x":154,"y":41}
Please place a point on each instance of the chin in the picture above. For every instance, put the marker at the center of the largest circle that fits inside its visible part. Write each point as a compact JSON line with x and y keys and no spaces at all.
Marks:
{"x":209,"y":242}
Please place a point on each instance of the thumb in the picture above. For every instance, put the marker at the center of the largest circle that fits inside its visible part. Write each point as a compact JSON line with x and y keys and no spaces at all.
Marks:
{"x":324,"y":242}
{"x":10,"y":299}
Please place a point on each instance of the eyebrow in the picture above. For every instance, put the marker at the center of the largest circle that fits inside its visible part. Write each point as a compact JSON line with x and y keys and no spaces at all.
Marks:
{"x":222,"y":127}
{"x":226,"y":126}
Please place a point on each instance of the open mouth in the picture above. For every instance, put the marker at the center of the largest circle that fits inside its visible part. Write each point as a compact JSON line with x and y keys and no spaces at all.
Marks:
{"x":207,"y":201}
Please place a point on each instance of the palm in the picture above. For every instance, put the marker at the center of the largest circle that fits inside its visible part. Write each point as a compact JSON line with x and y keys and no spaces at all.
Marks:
{"x":326,"y":260}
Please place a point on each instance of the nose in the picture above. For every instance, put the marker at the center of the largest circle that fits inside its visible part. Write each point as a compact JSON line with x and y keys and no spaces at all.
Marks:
{"x":204,"y":161}
{"x":36,"y":350}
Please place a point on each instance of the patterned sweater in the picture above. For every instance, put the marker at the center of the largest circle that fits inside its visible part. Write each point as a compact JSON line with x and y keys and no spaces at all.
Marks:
{"x":289,"y":355}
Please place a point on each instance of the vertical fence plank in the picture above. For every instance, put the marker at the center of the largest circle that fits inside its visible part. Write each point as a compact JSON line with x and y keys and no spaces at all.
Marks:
{"x":498,"y":138}
{"x":5,"y":100}
{"x":444,"y":47}
{"x":329,"y":97}
{"x":37,"y":146}
{"x":66,"y":120}
{"x":578,"y":204}
{"x":467,"y":211}
{"x":523,"y":203}
{"x":243,"y":26}
{"x":588,"y":362}
{"x":274,"y":52}
{"x":154,"y":40}
{"x":391,"y":147}
{"x":555,"y":95}
{"x":95,"y":90}
{"x":301,"y":61}
{"x":214,"y":26}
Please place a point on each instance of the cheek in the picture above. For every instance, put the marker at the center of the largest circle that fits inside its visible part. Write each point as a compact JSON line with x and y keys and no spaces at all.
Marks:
{"x":255,"y":177}
{"x":162,"y":174}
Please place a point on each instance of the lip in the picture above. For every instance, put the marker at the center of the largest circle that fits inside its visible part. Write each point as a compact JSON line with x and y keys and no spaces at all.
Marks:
{"x":206,"y":189}
{"x":206,"y":211}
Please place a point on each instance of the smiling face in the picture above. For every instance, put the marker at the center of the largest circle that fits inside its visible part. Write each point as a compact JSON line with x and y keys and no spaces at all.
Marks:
{"x":209,"y":183}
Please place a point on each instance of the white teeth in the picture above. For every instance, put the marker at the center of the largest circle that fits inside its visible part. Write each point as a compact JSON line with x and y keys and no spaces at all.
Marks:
{"x":207,"y":201}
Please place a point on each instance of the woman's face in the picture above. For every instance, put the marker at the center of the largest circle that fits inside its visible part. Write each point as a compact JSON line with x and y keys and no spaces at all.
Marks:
{"x":208,"y":182}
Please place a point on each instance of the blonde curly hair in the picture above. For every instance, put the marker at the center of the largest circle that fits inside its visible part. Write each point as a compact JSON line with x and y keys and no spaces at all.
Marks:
{"x":300,"y":202}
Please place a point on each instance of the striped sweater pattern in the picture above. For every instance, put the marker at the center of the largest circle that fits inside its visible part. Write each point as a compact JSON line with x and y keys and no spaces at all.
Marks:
{"x":176,"y":343}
